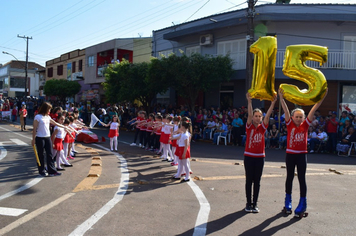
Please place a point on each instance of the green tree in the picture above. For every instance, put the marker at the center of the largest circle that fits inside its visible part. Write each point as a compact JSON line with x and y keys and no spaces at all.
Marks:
{"x":130,"y":82}
{"x":61,"y":88}
{"x":197,"y":73}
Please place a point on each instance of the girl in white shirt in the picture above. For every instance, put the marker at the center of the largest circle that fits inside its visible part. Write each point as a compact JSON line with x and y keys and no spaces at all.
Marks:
{"x":183,"y":150}
{"x":41,"y":137}
{"x":57,"y":140}
{"x":114,"y":131}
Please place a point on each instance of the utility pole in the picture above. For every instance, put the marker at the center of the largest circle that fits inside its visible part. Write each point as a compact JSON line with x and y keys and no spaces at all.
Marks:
{"x":250,"y":41}
{"x":26,"y":65}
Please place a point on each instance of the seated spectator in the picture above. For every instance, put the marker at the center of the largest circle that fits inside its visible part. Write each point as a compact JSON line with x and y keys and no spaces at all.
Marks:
{"x":315,"y":123}
{"x":273,"y":135}
{"x":283,"y":137}
{"x":349,"y":137}
{"x":209,"y":127}
{"x":322,"y":123}
{"x":311,"y":133}
{"x":222,"y":130}
{"x":321,"y":137}
{"x":267,"y":139}
{"x":196,"y":133}
{"x":346,"y":141}
{"x":346,"y":128}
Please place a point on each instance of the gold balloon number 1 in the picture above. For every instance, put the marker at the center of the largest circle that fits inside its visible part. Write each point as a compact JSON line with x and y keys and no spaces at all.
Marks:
{"x":262,"y":87}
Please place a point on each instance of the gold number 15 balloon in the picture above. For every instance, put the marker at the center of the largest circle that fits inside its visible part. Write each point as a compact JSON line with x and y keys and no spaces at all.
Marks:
{"x":294,"y":67}
{"x":265,"y":50}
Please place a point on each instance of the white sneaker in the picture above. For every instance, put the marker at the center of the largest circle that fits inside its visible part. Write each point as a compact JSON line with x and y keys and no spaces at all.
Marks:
{"x":140,"y":145}
{"x":133,"y":144}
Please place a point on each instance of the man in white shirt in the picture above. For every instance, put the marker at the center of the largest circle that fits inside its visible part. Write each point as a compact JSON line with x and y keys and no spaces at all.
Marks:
{"x":321,"y":137}
{"x":209,"y":126}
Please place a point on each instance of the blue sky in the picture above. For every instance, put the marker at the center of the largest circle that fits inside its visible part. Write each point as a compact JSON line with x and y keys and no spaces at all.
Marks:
{"x":57,"y":27}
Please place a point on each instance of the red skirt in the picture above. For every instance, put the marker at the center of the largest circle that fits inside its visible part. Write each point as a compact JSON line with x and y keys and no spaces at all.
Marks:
{"x":113,"y":133}
{"x":68,"y":138}
{"x":179,"y":152}
{"x":164,"y":138}
{"x":174,"y":143}
{"x":58,"y":144}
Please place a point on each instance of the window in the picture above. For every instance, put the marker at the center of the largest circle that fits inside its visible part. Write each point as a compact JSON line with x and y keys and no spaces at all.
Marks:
{"x":237,"y":51}
{"x":80,"y":65}
{"x":60,"y":70}
{"x":91,"y":61}
{"x":73,"y":67}
{"x":189,"y":51}
{"x":165,"y":53}
{"x":349,"y":52}
{"x":17,"y":82}
{"x":50,"y":72}
{"x":126,"y":56}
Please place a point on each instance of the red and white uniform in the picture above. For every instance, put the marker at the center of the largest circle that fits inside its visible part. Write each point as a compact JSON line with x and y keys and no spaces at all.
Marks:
{"x":68,"y":138}
{"x":113,"y":130}
{"x":143,"y":124}
{"x":165,"y":134}
{"x":149,"y":126}
{"x":58,"y":141}
{"x":159,"y":130}
{"x":297,"y":137}
{"x":181,"y":144}
{"x":174,"y":142}
{"x":255,"y":140}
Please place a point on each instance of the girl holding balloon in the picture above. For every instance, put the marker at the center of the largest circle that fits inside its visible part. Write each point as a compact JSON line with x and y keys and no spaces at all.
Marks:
{"x":297,"y":127}
{"x":254,"y":155}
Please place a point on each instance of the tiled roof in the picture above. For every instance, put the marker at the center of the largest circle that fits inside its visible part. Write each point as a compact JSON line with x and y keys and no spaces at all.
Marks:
{"x":21,"y":65}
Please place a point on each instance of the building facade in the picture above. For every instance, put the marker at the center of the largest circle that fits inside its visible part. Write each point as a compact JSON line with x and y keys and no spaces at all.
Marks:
{"x":329,"y":25}
{"x":70,"y":66}
{"x":12,"y":79}
{"x":87,"y":66}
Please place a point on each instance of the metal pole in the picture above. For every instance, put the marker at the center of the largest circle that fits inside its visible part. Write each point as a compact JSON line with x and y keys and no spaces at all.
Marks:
{"x":250,"y":40}
{"x":26,"y":65}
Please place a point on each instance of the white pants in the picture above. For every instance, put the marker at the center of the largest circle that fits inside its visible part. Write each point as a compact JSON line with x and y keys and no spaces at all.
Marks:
{"x":174,"y":155}
{"x":181,"y":170}
{"x":60,"y":159}
{"x":65,"y":149}
{"x":167,"y":150}
{"x":185,"y":163}
{"x":112,"y":141}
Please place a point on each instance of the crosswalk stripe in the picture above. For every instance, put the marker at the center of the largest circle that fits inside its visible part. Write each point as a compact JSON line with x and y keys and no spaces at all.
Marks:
{"x":19,"y":142}
{"x":6,"y":211}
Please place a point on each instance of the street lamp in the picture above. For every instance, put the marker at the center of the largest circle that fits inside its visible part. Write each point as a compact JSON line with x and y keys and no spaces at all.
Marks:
{"x":23,"y":66}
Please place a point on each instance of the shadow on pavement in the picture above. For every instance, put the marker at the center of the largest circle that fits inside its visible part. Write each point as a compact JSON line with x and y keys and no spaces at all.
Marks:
{"x":258,"y":230}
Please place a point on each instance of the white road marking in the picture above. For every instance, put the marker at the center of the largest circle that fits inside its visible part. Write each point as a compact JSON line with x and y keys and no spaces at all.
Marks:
{"x":3,"y":153}
{"x":19,"y":142}
{"x":24,"y":136}
{"x":203,"y":215}
{"x":13,"y":142}
{"x":124,"y":180}
{"x":6,"y":211}
{"x":22,"y":188}
{"x":35,"y":213}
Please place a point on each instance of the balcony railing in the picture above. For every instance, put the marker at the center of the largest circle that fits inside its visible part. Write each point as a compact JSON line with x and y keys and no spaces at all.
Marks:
{"x":336,"y":60}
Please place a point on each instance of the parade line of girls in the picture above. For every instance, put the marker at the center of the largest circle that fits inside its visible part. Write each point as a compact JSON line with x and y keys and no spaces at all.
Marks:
{"x":170,"y":140}
{"x":58,"y":146}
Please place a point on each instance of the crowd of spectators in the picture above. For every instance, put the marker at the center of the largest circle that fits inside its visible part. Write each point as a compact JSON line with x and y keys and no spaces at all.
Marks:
{"x":326,"y":131}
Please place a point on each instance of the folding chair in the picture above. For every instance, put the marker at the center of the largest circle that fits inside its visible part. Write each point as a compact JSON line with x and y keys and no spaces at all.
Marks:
{"x":224,"y":137}
{"x":353,"y":145}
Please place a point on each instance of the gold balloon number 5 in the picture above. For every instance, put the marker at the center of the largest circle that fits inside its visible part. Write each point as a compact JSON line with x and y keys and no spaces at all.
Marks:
{"x":265,"y":50}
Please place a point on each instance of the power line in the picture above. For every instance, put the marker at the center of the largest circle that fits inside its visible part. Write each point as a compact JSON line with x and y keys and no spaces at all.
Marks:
{"x":196,"y":11}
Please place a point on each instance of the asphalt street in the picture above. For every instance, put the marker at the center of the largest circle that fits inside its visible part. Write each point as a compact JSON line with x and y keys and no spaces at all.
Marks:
{"x":130,"y":192}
